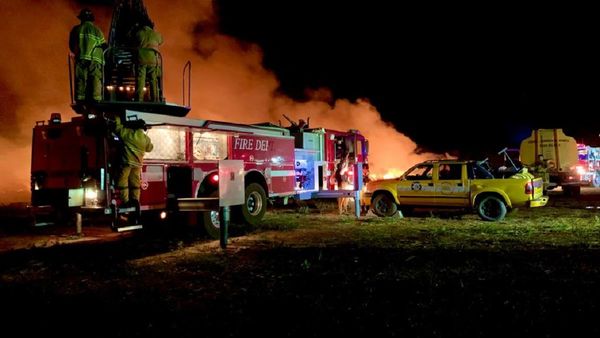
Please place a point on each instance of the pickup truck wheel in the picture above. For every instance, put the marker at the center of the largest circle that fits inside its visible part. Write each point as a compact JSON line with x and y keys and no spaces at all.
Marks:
{"x":491,"y":208}
{"x":384,"y":206}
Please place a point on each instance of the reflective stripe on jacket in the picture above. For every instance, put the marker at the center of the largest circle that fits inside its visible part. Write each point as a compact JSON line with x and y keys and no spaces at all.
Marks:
{"x":148,"y":42}
{"x":86,"y":41}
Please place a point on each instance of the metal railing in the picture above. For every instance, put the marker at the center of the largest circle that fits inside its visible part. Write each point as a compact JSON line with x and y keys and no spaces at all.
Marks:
{"x":187,"y":69}
{"x":119,"y":76}
{"x":121,"y":85}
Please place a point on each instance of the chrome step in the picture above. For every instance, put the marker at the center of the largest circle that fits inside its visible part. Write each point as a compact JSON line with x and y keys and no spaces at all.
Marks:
{"x":129,"y":228}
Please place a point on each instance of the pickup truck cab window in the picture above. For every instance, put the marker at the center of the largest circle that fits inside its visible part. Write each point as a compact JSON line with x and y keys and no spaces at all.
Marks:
{"x":450,"y":171}
{"x":420,"y":172}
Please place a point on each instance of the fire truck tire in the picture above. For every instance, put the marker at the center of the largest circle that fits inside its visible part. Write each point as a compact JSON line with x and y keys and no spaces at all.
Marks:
{"x":384,"y":206}
{"x":255,"y":205}
{"x":250,"y":214}
{"x":491,"y":208}
{"x":210,"y":220}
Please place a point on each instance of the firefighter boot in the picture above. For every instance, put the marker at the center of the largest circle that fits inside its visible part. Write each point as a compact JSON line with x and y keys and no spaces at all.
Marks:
{"x":137,"y":214}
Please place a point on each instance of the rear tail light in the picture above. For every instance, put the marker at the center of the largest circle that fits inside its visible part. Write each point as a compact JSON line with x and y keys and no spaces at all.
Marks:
{"x":214,"y":178}
{"x":528,"y":188}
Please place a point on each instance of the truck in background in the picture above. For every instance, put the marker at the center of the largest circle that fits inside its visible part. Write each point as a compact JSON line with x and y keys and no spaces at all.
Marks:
{"x":561,"y":153}
{"x":589,"y":164}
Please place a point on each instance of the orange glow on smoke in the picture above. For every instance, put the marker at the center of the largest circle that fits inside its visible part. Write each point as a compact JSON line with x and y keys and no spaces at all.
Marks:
{"x":229,"y":83}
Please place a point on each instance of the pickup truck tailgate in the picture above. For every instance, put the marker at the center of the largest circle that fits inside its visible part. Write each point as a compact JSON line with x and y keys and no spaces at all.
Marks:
{"x":538,"y":198}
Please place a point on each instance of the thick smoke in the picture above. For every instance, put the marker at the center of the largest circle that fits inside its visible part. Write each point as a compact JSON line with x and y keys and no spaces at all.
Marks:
{"x":34,"y":82}
{"x":228,"y":82}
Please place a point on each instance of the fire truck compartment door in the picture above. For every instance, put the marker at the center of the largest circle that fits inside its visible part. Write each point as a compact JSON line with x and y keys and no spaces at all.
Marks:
{"x":306,"y":170}
{"x":231,"y":182}
{"x":76,"y":197}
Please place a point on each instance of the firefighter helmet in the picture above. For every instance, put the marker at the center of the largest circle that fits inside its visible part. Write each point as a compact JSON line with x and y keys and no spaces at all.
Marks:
{"x":86,"y":15}
{"x":136,"y":124}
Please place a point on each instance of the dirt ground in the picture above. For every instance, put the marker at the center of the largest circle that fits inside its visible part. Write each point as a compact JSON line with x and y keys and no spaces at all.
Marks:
{"x":305,"y":273}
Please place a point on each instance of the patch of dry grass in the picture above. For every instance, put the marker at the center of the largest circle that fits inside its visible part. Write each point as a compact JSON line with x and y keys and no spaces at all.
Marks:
{"x":557,"y":226}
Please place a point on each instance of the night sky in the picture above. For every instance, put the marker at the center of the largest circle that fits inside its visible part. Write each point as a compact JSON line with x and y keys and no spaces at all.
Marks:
{"x":468,"y":79}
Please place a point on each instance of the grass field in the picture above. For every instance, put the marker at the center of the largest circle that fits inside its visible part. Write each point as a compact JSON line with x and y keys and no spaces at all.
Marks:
{"x":537,"y":273}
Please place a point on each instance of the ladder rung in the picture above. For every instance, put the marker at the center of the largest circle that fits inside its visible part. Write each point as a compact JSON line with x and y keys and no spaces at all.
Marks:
{"x":130,"y":228}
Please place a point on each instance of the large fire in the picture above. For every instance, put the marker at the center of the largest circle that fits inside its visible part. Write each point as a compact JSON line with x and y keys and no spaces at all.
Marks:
{"x":391,"y":173}
{"x":229,"y":83}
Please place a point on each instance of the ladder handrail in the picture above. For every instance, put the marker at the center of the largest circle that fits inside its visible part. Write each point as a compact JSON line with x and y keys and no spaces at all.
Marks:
{"x":188,"y":68}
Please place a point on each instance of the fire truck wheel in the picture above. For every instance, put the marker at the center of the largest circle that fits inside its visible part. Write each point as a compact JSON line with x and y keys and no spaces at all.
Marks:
{"x":491,"y":208}
{"x":210,"y":220}
{"x":383,"y":205}
{"x":255,"y":207}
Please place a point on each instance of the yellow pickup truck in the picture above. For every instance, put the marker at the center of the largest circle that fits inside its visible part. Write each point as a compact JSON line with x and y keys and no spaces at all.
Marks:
{"x":465,"y":185}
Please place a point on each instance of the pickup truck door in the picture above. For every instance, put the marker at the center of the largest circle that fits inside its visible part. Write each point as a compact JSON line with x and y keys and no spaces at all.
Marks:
{"x":417,"y":188}
{"x":451,"y":188}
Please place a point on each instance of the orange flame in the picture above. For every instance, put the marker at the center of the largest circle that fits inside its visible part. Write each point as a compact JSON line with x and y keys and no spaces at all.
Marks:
{"x":224,"y":69}
{"x":391,"y":173}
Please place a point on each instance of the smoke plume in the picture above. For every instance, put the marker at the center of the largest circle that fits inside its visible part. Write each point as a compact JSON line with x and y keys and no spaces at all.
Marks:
{"x":228,"y":82}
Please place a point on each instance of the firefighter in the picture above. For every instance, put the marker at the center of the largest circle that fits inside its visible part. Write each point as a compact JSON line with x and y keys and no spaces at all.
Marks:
{"x":342,"y":163}
{"x":148,"y":66}
{"x":541,"y":170}
{"x":87,"y":44}
{"x":135,"y":144}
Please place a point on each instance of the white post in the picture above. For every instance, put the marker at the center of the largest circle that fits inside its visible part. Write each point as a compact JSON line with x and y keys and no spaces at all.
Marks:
{"x":78,"y":223}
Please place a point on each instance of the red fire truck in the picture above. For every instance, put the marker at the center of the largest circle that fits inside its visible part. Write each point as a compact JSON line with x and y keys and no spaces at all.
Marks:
{"x":73,"y":165}
{"x":589,"y":164}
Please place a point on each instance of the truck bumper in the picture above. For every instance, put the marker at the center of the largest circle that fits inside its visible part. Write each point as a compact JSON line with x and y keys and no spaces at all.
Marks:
{"x":539,"y":202}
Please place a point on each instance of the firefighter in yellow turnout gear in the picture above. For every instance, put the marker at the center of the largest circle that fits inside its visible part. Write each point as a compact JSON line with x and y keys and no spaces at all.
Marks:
{"x":149,"y":67}
{"x":541,"y":170}
{"x":135,"y":144}
{"x":87,"y":43}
